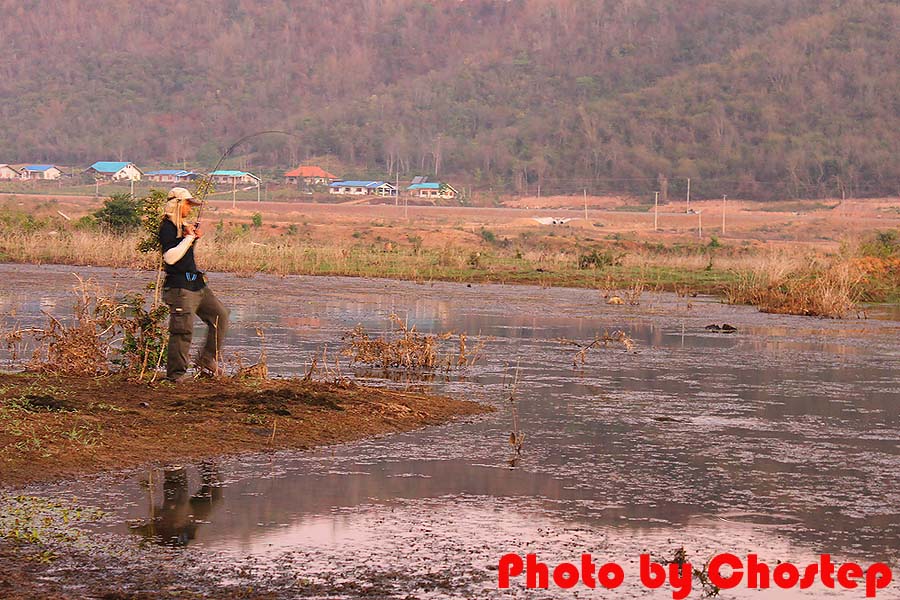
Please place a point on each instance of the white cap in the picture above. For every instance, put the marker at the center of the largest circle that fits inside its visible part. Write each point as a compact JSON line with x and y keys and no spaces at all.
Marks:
{"x":180,"y":193}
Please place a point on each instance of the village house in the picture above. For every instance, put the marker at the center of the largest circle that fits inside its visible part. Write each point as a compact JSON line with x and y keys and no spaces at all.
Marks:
{"x":9,"y":172}
{"x":310,"y":176}
{"x":433,"y":190}
{"x":362,"y":188}
{"x":234,"y":177}
{"x":115,"y":171}
{"x":40,"y":172}
{"x":171,"y":176}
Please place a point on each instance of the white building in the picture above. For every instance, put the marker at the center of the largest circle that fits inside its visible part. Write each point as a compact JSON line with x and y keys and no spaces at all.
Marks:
{"x":116,"y":171}
{"x":171,"y":176}
{"x":43,"y":172}
{"x":234,"y":177}
{"x":362,"y":188}
{"x":9,"y":172}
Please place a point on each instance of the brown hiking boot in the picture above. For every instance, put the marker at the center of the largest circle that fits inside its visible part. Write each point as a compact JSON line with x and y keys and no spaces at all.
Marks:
{"x":208,"y":367}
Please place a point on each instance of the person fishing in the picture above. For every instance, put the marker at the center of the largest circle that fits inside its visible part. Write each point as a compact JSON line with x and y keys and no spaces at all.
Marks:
{"x":186,"y":293}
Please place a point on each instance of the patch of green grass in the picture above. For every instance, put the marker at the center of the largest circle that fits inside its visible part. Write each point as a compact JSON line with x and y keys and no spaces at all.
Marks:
{"x":85,"y":436}
{"x":254,"y":419}
{"x":37,"y":520}
{"x":793,"y":206}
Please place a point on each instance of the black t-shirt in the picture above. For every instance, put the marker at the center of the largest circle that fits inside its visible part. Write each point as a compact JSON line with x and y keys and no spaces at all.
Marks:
{"x":184,"y":273}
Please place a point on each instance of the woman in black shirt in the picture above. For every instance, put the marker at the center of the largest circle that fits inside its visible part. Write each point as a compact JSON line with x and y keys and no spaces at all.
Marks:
{"x":186,"y":292}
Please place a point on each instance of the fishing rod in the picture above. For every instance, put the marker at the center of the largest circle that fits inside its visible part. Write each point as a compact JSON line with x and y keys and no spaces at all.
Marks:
{"x":205,"y":185}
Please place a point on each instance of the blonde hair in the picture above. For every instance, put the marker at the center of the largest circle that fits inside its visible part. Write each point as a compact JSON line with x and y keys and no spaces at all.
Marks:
{"x":172,"y":212}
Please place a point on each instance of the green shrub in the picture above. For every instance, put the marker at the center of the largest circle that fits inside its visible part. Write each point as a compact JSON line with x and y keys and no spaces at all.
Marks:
{"x":599,"y":259}
{"x":86,"y":223}
{"x":488,"y":236}
{"x":119,"y":214}
{"x":150,"y":212}
{"x":884,"y":244}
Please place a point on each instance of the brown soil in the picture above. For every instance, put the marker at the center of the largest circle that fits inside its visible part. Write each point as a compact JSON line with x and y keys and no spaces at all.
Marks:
{"x":56,"y":427}
{"x":818,"y":224}
{"x":59,"y":427}
{"x":24,"y":577}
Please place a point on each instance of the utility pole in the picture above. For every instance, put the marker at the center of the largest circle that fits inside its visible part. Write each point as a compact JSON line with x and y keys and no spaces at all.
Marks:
{"x":397,"y":196}
{"x":132,"y":187}
{"x":724,"y":196}
{"x":700,"y":224}
{"x":233,"y":192}
{"x":257,"y":190}
{"x":688,"y":209}
{"x":655,"y":211}
{"x":585,"y":204}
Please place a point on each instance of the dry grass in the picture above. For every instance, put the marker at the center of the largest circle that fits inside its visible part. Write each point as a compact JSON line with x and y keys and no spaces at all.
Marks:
{"x":83,"y":345}
{"x":606,"y":340}
{"x":406,"y":348}
{"x":768,"y":276}
{"x":814,"y":289}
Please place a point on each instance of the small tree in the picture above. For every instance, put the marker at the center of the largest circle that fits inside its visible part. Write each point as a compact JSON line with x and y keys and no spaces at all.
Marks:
{"x":150,"y":213}
{"x":119,"y":214}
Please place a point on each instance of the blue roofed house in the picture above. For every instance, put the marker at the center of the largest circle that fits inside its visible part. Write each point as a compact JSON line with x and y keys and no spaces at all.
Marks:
{"x":42,"y":172}
{"x":115,"y":171}
{"x":433,"y":190}
{"x":234,"y":177}
{"x":362,"y":188}
{"x":171,"y":176}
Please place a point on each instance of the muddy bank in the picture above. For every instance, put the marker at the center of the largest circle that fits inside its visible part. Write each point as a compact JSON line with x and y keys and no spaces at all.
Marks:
{"x":60,"y":427}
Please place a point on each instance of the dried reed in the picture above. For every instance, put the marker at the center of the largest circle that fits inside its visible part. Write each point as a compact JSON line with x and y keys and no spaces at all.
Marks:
{"x":600,"y":341}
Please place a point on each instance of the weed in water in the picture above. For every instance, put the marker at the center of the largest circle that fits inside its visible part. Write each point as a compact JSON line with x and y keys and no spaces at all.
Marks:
{"x":600,"y":341}
{"x":516,"y":435}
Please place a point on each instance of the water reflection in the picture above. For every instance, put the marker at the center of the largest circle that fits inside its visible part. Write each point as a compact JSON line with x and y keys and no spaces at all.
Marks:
{"x":783,"y":437}
{"x":175,"y":519}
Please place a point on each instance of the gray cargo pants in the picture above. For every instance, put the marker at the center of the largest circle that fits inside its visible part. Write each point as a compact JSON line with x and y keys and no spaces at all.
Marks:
{"x":183,"y":305}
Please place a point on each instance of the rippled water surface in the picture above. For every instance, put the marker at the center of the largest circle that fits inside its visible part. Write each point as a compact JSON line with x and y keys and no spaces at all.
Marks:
{"x":782,"y":439}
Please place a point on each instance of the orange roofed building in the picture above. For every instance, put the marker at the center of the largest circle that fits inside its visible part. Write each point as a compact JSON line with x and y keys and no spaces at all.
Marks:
{"x":309,"y":176}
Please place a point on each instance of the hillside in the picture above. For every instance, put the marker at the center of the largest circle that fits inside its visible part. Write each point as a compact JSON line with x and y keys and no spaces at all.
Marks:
{"x":759,"y":98}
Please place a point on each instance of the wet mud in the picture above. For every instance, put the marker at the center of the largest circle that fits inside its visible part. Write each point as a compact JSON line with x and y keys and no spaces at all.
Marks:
{"x":780,"y":438}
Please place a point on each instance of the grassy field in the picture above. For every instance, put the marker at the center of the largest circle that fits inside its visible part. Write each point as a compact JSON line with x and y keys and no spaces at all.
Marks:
{"x":777,"y":260}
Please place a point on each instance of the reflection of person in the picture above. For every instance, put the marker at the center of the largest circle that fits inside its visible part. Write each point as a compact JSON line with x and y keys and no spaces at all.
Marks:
{"x":186,"y":292}
{"x":175,"y":522}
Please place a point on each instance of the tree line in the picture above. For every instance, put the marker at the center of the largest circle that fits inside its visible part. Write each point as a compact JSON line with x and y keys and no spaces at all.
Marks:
{"x":756,"y":98}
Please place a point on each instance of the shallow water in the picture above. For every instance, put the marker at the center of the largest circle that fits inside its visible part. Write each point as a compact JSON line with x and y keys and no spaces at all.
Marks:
{"x":780,"y":439}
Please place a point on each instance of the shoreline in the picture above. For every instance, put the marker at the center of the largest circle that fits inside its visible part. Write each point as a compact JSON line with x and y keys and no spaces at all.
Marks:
{"x":65,"y":427}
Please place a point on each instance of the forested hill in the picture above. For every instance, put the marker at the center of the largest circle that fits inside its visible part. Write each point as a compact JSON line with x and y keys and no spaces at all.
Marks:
{"x":757,"y":98}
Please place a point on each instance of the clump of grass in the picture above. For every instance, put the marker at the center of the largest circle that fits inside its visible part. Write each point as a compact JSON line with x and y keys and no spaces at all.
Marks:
{"x":408,"y":350}
{"x":258,"y":370}
{"x":83,"y":345}
{"x":103,"y":332}
{"x":820,"y":291}
{"x":599,"y":259}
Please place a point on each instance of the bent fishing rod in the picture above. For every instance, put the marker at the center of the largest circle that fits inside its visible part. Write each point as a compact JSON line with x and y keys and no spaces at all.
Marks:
{"x":205,"y":185}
